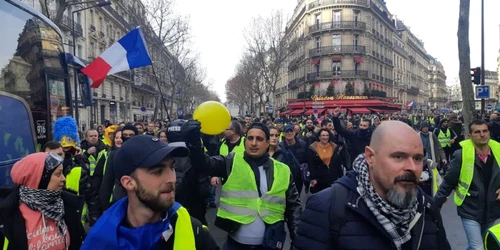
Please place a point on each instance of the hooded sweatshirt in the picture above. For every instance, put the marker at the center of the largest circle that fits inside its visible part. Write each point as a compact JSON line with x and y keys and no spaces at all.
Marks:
{"x":41,"y":234}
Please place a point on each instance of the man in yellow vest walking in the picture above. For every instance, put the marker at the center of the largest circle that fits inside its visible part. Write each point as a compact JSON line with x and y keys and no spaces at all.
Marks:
{"x":258,"y":194}
{"x":474,"y":174}
{"x":149,"y":217}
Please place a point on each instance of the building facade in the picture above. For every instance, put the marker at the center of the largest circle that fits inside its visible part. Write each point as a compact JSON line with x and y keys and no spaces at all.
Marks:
{"x":355,"y":45}
{"x":127,"y":96}
{"x":437,"y":84}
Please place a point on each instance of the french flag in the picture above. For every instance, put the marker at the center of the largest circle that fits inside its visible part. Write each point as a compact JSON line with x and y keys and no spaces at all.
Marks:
{"x":129,"y":52}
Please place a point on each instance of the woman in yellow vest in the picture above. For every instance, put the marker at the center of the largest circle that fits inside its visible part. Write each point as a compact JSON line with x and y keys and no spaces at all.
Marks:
{"x":36,"y":213}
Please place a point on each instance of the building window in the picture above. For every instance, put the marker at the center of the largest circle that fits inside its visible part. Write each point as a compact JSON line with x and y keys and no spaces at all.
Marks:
{"x":337,"y":16}
{"x":112,"y":89}
{"x":91,"y":17}
{"x":318,"y":42}
{"x":356,"y":17}
{"x":79,"y":17}
{"x":336,"y":41}
{"x":318,"y":20}
{"x":317,"y":68}
{"x":336,"y":66}
{"x":356,"y":66}
{"x":79,"y":50}
{"x":101,"y":24}
{"x":91,"y":49}
{"x":355,"y":41}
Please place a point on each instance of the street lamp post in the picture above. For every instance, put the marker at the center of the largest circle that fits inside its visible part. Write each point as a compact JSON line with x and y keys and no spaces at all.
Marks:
{"x":75,"y":77}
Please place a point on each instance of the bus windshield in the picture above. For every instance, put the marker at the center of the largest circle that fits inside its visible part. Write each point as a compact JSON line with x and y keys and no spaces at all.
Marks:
{"x":32,"y":66}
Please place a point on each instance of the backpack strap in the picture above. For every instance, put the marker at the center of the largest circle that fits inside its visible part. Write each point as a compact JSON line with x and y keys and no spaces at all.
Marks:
{"x":338,"y":211}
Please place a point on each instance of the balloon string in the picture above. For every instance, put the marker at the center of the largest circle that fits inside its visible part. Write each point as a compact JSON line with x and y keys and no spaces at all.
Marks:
{"x":161,"y":94}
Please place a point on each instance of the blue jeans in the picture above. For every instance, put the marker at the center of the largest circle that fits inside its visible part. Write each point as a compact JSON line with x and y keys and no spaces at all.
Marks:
{"x":474,"y":234}
{"x":211,"y":196}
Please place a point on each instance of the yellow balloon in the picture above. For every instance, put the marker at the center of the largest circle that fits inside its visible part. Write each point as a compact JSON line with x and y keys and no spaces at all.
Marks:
{"x":213,"y":116}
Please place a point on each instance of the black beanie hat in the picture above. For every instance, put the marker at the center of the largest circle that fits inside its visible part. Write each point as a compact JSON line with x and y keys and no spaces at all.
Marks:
{"x":130,"y":127}
{"x":262,"y":127}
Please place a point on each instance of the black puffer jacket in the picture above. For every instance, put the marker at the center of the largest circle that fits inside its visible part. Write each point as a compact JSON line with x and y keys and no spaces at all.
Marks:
{"x":13,"y":225}
{"x":359,"y":228}
{"x":325,"y":175}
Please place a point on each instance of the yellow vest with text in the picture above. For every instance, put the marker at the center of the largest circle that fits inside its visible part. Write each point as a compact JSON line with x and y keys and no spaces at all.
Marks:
{"x":224,"y":149}
{"x":240,"y":201}
{"x":467,"y":169}
{"x":492,"y":238}
{"x":444,"y":139}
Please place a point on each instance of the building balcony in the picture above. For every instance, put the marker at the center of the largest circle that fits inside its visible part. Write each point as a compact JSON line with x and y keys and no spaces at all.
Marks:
{"x":319,"y":3}
{"x":293,"y":63}
{"x":337,"y":74}
{"x":296,"y":82}
{"x":340,"y":25}
{"x":337,"y":50}
{"x":67,"y":24}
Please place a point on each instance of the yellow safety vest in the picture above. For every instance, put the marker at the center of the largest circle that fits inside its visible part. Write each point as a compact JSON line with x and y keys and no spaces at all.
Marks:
{"x":492,"y":238}
{"x":183,"y":237}
{"x":224,"y":149}
{"x":73,"y":179}
{"x":467,"y":168}
{"x":183,"y":232}
{"x":435,"y":186}
{"x":240,"y":201}
{"x":444,"y":139}
{"x":93,"y":161}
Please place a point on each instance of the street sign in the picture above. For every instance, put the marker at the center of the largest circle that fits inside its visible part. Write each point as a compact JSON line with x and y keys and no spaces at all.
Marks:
{"x":490,"y":106}
{"x":482,"y":92}
{"x":318,"y":107}
{"x":318,"y":103}
{"x":270,"y":107}
{"x":315,"y":111}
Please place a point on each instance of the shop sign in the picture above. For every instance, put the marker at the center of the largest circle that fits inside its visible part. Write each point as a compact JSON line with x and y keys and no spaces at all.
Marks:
{"x":338,"y":97}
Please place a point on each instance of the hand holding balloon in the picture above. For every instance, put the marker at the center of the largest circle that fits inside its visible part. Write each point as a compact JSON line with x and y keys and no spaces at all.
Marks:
{"x":213,"y":116}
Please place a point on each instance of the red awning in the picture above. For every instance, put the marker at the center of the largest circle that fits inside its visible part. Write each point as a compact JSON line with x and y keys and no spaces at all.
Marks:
{"x":311,"y":111}
{"x":382,"y":111}
{"x":315,"y":61}
{"x":330,"y":111}
{"x":358,"y":59}
{"x":360,"y":110}
{"x":296,"y":112}
{"x":285,"y":112}
{"x":336,"y":59}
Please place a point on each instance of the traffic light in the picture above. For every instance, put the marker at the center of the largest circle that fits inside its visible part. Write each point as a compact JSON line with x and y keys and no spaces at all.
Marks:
{"x":476,"y":75}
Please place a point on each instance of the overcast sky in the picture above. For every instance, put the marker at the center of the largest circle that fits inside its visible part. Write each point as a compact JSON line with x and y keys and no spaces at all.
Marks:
{"x":217,"y":28}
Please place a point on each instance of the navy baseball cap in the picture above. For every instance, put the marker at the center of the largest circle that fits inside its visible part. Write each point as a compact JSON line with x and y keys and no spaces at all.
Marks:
{"x":144,"y":151}
{"x":288,"y":127}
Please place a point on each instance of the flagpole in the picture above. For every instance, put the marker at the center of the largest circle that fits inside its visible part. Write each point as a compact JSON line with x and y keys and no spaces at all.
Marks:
{"x":159,"y":89}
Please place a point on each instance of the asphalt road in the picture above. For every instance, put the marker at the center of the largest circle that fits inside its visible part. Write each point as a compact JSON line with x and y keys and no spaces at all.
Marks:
{"x":454,"y":229}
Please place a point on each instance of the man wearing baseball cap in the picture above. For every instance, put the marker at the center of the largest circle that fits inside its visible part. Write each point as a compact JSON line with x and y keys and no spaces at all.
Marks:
{"x":149,"y":217}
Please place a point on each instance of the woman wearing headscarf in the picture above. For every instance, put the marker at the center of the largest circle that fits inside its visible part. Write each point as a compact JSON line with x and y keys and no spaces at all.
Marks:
{"x":37,"y":213}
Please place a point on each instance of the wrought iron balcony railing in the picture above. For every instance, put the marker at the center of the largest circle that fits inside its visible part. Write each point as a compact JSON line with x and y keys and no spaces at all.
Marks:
{"x":339,"y":49}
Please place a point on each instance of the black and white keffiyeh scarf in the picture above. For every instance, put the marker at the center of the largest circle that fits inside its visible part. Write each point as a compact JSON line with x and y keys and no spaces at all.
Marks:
{"x":396,"y":221}
{"x":48,"y":202}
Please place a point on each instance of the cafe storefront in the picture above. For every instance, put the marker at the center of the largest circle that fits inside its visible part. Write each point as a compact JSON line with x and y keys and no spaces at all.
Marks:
{"x":323,"y":105}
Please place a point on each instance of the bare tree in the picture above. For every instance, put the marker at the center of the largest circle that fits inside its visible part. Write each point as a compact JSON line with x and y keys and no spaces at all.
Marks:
{"x":464,"y":59}
{"x":269,"y":48}
{"x":238,"y":92}
{"x":250,"y":74}
{"x":170,"y":27}
{"x":61,"y":6}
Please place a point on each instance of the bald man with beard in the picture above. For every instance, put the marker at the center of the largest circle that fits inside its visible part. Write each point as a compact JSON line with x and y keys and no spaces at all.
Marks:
{"x":378,"y":205}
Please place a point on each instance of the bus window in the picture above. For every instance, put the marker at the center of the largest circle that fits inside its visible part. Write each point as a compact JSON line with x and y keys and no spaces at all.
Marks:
{"x":17,"y":136}
{"x":30,"y":65}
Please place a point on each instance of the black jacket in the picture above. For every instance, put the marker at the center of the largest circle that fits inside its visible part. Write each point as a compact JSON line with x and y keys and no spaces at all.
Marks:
{"x":494,"y":127}
{"x":359,"y":228}
{"x":87,"y":187}
{"x":108,"y":184}
{"x":13,"y":227}
{"x":481,"y":205}
{"x":325,"y":175}
{"x":222,"y":165}
{"x":359,"y":139}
